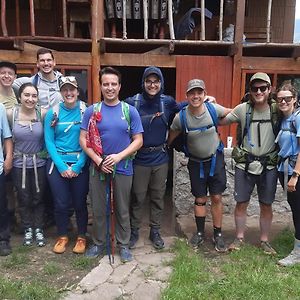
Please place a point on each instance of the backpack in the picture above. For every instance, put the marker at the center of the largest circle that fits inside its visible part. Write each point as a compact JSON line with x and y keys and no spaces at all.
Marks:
{"x":180,"y":142}
{"x":161,"y":113}
{"x":55,"y":119}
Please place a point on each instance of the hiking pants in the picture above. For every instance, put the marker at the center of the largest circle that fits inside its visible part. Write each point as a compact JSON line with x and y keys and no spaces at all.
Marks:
{"x":152,"y":179}
{"x":69,"y":193}
{"x":4,"y":229}
{"x":293,"y":200}
{"x":121,"y":195}
{"x":30,"y":202}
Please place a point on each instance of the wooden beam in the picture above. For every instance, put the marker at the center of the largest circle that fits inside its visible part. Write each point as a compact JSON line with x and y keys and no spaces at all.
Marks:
{"x":237,"y":59}
{"x":296,"y":52}
{"x":64,"y":13}
{"x":141,"y":60}
{"x":3,"y":18}
{"x":18,"y":27}
{"x":269,"y":20}
{"x":32,"y":18}
{"x":19,"y":44}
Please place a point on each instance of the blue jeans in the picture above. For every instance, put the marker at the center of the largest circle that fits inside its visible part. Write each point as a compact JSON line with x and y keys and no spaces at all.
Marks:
{"x":68,"y":193}
{"x":4,"y":229}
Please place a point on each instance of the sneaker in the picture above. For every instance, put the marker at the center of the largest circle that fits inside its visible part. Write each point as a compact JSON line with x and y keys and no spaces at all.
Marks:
{"x":197,"y":239}
{"x":80,"y":245}
{"x":155,"y":238}
{"x":95,"y":251}
{"x":5,"y":248}
{"x":292,"y":259}
{"x":236,"y":245}
{"x":40,"y":238}
{"x":28,"y":237}
{"x":219,"y":243}
{"x":125,"y":255}
{"x":60,"y":245}
{"x":267,"y":248}
{"x":134,"y":237}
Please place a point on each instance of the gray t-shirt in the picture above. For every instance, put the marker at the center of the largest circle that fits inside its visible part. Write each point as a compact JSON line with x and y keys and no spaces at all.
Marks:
{"x":49,"y":93}
{"x":201,"y":144}
{"x":250,"y":142}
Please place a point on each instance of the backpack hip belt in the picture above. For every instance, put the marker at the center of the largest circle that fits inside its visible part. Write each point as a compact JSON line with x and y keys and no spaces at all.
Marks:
{"x":153,"y":148}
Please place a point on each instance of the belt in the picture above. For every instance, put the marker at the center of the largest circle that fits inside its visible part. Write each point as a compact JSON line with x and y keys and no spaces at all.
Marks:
{"x":153,"y":148}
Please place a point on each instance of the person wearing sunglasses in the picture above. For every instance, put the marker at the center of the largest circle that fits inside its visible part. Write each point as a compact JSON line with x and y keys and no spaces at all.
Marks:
{"x":67,"y":168}
{"x":256,"y":158}
{"x":289,"y":161}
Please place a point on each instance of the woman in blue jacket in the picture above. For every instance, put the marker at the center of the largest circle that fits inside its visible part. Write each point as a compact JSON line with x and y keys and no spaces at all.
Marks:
{"x":67,"y":168}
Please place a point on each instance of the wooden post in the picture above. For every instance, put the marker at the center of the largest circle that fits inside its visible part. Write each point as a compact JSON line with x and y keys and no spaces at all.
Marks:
{"x":32,"y":19}
{"x":64,"y":10}
{"x":18,"y":28}
{"x":97,"y":33}
{"x":124,"y":21}
{"x":145,"y":14}
{"x":3,"y":17}
{"x":202,"y":20}
{"x":170,"y":18}
{"x":237,"y":59}
{"x":221,"y":20}
{"x":269,"y":20}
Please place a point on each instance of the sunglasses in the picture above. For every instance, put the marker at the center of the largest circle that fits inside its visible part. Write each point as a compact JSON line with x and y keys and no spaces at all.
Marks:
{"x":286,"y":99}
{"x":262,"y":88}
{"x":71,"y":79}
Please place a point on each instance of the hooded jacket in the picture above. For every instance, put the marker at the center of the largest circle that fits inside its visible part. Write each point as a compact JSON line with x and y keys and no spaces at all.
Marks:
{"x":155,"y":127}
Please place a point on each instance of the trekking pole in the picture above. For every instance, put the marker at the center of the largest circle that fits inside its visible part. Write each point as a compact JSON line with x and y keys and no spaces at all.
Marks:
{"x":108,"y":209}
{"x":112,"y":218}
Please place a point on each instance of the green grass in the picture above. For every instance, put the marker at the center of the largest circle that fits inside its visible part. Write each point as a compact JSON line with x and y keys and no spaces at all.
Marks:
{"x":247,"y":274}
{"x":51,"y":268}
{"x":81,"y":262}
{"x":15,"y":261}
{"x":19,"y":290}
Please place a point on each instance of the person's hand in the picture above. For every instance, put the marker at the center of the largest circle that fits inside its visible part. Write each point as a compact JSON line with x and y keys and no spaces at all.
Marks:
{"x":291,"y":186}
{"x":109,"y":162}
{"x":7,"y":166}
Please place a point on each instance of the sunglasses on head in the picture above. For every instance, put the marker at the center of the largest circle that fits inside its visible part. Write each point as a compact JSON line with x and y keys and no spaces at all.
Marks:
{"x":70,"y":79}
{"x":262,"y":88}
{"x":286,"y":99}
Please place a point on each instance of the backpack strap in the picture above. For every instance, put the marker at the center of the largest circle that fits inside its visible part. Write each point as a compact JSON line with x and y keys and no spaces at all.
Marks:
{"x":184,"y":129}
{"x":35,"y":80}
{"x":126,"y":114}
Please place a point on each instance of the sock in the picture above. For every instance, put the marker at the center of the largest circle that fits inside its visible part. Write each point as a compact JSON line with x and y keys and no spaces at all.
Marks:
{"x":200,"y":222}
{"x":217,"y":231}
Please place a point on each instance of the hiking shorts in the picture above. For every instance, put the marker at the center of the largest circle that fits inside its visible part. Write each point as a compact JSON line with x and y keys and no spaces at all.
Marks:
{"x":266,"y":184}
{"x":216,"y":184}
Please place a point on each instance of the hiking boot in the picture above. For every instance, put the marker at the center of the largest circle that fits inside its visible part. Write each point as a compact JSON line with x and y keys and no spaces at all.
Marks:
{"x":292,"y":259}
{"x":267,"y":248}
{"x":155,"y":238}
{"x":197,"y":239}
{"x":39,"y":237}
{"x":80,"y":245}
{"x":60,"y":245}
{"x":95,"y":251}
{"x":5,"y":248}
{"x":236,"y":245}
{"x":28,"y":237}
{"x":134,"y":237}
{"x":219,"y":243}
{"x":125,"y":254}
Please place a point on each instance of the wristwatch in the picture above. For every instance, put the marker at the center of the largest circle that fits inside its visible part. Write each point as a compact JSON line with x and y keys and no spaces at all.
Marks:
{"x":295,"y":174}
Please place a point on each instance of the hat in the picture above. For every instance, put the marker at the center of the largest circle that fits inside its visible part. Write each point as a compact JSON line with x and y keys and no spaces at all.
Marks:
{"x":152,"y":71}
{"x":8,"y":64}
{"x":194,"y":84}
{"x":67,"y":80}
{"x":261,"y":76}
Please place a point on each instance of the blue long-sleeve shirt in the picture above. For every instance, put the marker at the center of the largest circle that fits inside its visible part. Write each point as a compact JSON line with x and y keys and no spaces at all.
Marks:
{"x":62,"y":140}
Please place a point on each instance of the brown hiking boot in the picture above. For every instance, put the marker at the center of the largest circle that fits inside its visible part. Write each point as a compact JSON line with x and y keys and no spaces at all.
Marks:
{"x":80,"y":245}
{"x":60,"y":245}
{"x":236,"y":245}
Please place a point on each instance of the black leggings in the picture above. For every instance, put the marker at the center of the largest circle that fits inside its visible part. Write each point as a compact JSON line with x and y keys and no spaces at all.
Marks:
{"x":293,"y":199}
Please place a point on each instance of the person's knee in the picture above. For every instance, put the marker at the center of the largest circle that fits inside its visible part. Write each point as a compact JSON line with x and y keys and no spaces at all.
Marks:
{"x":216,"y":199}
{"x":200,"y":202}
{"x":241,"y":207}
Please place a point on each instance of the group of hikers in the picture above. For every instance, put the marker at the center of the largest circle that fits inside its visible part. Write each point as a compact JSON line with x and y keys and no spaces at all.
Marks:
{"x":60,"y":150}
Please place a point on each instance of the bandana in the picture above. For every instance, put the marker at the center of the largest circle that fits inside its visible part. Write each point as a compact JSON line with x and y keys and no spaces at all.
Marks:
{"x":93,"y":139}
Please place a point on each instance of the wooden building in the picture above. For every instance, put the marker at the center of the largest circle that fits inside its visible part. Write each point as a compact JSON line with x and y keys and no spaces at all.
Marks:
{"x":87,"y":35}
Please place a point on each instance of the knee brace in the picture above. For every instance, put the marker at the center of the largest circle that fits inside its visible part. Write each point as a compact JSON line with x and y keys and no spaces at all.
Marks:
{"x":200,"y":203}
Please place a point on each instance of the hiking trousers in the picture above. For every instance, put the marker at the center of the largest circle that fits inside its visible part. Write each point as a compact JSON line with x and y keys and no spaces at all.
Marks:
{"x":150,"y":180}
{"x":4,"y":229}
{"x":101,"y":217}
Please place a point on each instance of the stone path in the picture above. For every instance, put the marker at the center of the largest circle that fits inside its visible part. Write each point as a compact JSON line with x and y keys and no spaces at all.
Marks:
{"x":143,"y":278}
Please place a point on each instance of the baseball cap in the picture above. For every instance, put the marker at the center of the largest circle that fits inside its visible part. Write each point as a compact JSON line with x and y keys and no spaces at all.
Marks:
{"x":67,"y":80}
{"x":261,"y":76}
{"x":195,"y":83}
{"x":8,"y":64}
{"x":152,"y":71}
